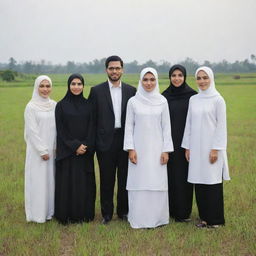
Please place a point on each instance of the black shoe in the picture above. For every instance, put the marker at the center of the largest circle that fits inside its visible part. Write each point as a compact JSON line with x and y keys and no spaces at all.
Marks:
{"x":182,"y":220}
{"x":106,"y":221}
{"x":123,"y":217}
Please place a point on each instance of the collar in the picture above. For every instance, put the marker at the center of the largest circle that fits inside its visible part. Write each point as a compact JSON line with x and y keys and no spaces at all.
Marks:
{"x":112,"y":86}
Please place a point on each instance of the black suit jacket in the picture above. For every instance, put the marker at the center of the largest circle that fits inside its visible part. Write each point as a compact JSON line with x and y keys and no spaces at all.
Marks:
{"x":104,"y":114}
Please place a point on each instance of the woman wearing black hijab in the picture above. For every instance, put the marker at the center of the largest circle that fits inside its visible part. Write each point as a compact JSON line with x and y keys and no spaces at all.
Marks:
{"x":180,"y":191}
{"x":75,"y":187}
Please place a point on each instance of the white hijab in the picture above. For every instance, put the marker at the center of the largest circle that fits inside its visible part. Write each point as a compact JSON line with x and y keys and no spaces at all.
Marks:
{"x":38,"y":102}
{"x":150,"y":98}
{"x":211,"y":91}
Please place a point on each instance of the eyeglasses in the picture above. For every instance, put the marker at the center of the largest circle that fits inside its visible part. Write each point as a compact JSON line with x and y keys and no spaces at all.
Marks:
{"x":114,"y":68}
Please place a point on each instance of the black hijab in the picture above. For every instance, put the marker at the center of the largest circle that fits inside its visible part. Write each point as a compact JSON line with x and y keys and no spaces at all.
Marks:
{"x":69,"y":95}
{"x":181,"y":92}
{"x":178,"y":100}
{"x":74,"y":122}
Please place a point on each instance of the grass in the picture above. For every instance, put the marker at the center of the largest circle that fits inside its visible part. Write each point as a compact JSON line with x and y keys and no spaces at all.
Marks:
{"x":17,"y":237}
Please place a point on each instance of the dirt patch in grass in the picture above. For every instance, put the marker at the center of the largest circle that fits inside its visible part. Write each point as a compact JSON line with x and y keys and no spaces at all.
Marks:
{"x":67,"y":242}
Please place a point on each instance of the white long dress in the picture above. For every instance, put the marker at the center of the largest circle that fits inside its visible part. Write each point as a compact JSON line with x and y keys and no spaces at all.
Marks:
{"x":40,"y":137}
{"x":206,"y":130}
{"x":148,"y":132}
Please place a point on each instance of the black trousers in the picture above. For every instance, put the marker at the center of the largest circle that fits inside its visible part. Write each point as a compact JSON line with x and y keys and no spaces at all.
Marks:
{"x":209,"y":199}
{"x":180,"y":191}
{"x":112,"y":162}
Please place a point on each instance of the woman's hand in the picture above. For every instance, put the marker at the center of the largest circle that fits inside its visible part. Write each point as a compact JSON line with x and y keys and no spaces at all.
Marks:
{"x":187,"y":154}
{"x":133,"y":156}
{"x":213,"y":156}
{"x":81,"y":150}
{"x":164,"y":158}
{"x":45,"y":157}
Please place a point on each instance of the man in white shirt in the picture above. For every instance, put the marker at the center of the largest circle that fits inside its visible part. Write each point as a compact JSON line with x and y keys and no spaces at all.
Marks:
{"x":109,"y":100}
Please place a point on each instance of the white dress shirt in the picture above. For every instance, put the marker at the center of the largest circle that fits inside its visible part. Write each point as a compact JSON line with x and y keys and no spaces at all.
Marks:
{"x":116,"y":96}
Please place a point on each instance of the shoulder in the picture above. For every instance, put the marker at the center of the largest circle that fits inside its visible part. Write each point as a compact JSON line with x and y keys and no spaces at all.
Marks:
{"x":166,"y":91}
{"x":58,"y":105}
{"x":165,"y":102}
{"x":54,"y":103}
{"x":131,"y":101}
{"x":194,"y":98}
{"x":29,"y":108}
{"x":99,"y":86}
{"x":219,"y":101}
{"x":128,"y":87}
{"x":190,"y":90}
{"x":98,"y":89}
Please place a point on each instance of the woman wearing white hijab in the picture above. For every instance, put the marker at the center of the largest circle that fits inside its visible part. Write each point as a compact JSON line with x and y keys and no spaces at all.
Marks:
{"x":148,"y":140}
{"x":205,"y":141}
{"x":40,"y":133}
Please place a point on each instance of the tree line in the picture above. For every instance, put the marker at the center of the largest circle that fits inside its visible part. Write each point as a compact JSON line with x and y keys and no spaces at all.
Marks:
{"x":97,"y":66}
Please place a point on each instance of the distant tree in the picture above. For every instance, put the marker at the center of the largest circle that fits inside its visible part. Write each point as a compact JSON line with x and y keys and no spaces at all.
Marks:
{"x":98,"y":66}
{"x":149,"y":63}
{"x":71,"y":67}
{"x":12,"y":63}
{"x":8,"y":75}
{"x":207,"y":63}
{"x":253,"y":58}
{"x":190,"y":65}
{"x":164,"y":67}
{"x":28,"y":67}
{"x":132,"y":67}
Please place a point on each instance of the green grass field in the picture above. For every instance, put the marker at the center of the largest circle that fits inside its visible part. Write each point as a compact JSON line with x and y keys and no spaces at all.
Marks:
{"x":238,"y":237}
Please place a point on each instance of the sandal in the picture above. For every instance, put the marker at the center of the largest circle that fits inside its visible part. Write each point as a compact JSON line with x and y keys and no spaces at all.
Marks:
{"x":202,"y":224}
{"x":213,"y":226}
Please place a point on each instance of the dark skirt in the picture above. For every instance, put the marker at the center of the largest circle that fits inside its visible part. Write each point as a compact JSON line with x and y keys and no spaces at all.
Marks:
{"x":75,"y":189}
{"x":209,"y":199}
{"x":180,"y":191}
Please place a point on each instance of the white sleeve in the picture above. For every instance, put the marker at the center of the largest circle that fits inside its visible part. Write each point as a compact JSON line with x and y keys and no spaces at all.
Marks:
{"x":220,"y":135}
{"x":166,"y":128}
{"x":129,"y":127}
{"x":186,"y":136}
{"x":31,"y":132}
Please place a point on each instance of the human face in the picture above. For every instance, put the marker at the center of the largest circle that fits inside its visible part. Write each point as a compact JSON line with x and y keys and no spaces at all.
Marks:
{"x":44,"y":89}
{"x":149,"y":82}
{"x":203,"y":81}
{"x":76,"y":86}
{"x":177,"y":78}
{"x":114,"y":71}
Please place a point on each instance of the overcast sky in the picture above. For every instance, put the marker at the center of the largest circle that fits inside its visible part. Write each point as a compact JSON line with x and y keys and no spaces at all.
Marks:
{"x":84,"y":30}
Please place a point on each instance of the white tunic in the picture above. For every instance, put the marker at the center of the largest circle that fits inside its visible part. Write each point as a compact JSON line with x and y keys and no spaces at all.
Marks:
{"x":148,"y":132}
{"x":206,"y":130}
{"x":40,"y":133}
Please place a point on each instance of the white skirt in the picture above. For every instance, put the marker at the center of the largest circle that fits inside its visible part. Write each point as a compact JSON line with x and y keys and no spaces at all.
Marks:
{"x":148,"y":209}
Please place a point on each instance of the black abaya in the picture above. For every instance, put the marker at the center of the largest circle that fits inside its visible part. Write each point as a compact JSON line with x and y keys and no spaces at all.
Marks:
{"x":180,"y":191}
{"x":75,"y":187}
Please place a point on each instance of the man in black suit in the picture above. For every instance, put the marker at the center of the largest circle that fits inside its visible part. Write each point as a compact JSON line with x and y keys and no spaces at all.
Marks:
{"x":110,"y":100}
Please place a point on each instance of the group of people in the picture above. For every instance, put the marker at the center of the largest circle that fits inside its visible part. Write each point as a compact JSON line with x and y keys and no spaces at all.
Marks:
{"x":160,"y":147}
